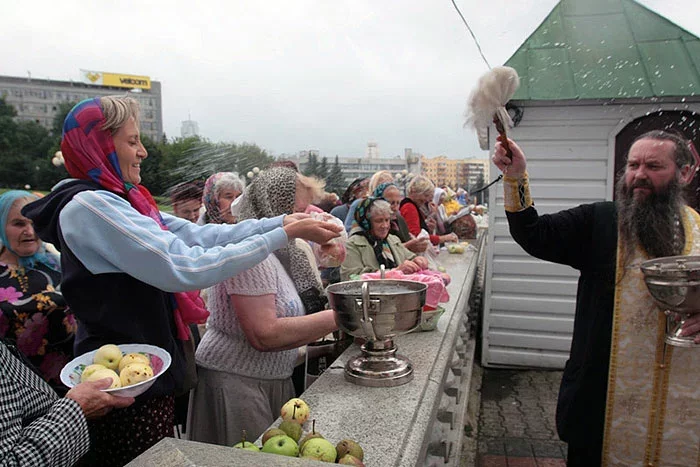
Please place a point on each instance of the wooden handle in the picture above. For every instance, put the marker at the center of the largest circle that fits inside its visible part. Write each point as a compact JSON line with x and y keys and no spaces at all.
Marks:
{"x":504,"y":141}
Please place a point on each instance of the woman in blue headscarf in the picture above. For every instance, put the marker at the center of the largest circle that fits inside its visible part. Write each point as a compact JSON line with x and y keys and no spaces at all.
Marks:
{"x":33,"y":314}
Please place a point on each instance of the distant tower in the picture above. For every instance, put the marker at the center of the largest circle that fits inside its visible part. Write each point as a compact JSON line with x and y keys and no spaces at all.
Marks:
{"x":372,"y":151}
{"x":189,"y":128}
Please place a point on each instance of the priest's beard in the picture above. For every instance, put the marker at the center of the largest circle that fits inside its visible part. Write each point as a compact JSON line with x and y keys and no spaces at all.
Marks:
{"x":654,"y":221}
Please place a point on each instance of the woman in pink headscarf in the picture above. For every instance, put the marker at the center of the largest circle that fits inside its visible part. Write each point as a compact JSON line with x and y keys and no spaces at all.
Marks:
{"x":130,"y":272}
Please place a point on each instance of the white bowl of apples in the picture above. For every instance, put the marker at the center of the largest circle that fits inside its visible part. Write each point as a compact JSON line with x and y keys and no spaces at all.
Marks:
{"x":133,"y":368}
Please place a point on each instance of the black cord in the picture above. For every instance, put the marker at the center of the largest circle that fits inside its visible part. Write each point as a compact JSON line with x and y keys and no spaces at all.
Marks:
{"x":498,"y":179}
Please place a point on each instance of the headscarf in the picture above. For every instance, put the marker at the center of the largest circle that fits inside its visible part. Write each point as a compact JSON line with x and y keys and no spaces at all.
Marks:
{"x":381,"y":188}
{"x":437,"y":194}
{"x":349,"y":194}
{"x":7,"y":199}
{"x":379,"y":194}
{"x":382,"y":250}
{"x":90,"y":154}
{"x":272,"y":193}
{"x":212,"y":215}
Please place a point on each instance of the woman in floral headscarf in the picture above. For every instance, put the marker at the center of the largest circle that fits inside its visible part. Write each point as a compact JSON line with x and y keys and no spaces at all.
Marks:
{"x":33,"y":312}
{"x":371,"y":245}
{"x":258,"y":320}
{"x":220,"y":191}
{"x":130,"y":272}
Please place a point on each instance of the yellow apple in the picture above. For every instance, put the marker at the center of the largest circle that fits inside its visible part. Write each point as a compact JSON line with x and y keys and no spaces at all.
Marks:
{"x":90,"y":369}
{"x":130,"y":358}
{"x":108,"y":355}
{"x":295,"y":410}
{"x":135,"y":373}
{"x":102,"y":373}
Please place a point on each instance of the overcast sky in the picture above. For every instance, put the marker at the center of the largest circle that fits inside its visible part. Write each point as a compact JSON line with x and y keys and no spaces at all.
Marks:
{"x":291,"y":75}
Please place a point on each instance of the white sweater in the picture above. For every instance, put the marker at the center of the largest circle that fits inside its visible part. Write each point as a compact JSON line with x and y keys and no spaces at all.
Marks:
{"x":225,"y":347}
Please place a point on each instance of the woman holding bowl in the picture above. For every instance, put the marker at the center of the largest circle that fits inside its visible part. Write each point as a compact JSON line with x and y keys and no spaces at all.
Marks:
{"x":371,"y":245}
{"x":129,"y":270}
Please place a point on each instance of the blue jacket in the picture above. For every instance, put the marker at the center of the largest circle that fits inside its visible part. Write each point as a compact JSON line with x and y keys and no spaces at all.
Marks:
{"x":119,"y":266}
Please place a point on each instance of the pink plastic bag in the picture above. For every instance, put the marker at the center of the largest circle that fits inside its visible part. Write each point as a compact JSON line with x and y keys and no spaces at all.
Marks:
{"x":436,"y":293}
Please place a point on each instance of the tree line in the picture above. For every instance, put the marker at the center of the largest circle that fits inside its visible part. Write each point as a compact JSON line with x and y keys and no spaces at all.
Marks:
{"x":332,"y":174}
{"x":26,"y":150}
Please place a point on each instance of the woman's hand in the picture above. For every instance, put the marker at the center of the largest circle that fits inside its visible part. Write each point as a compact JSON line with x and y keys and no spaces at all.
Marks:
{"x":515,"y":167}
{"x":449,"y":238}
{"x":312,"y":230}
{"x":408,"y":267}
{"x":289,"y":218}
{"x":421,"y":262}
{"x":93,"y":401}
{"x":692,"y":327}
{"x":417,"y":245}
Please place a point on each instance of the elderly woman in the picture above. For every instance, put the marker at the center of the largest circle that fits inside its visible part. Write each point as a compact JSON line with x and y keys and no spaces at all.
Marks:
{"x":33,"y":312}
{"x":419,"y":193}
{"x":127,"y":268}
{"x":383,"y":176}
{"x":372,"y":245}
{"x":258,"y":319}
{"x":220,"y":191}
{"x":392,"y":195}
{"x":356,"y":190}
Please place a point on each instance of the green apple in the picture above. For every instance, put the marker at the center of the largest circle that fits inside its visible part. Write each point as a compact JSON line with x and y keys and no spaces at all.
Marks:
{"x":348,"y":446}
{"x":272,"y":432}
{"x":247,"y":446}
{"x":135,"y":373}
{"x":349,"y":459}
{"x":102,"y":373}
{"x":108,"y":355}
{"x":281,"y":444}
{"x":90,"y":369}
{"x":319,"y":449}
{"x":295,"y":410}
{"x":130,"y":358}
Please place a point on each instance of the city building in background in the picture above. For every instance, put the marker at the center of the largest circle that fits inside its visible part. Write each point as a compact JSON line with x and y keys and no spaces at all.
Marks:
{"x":189,"y":129}
{"x":456,"y":173}
{"x":39,"y":99}
{"x":354,"y":167}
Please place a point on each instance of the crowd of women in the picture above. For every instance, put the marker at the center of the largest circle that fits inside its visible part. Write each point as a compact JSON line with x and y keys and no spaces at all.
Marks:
{"x":128,"y":273}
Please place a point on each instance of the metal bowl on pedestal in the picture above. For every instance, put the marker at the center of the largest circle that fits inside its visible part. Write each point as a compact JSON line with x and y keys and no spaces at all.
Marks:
{"x":674,"y":283}
{"x":377,"y":311}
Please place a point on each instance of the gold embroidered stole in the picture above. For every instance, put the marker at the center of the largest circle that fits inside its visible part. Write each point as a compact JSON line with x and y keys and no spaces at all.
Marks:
{"x":653,"y":403}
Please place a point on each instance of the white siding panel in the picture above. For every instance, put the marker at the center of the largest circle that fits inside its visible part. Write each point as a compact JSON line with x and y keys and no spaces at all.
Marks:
{"x":530,"y":267}
{"x":530,"y":340}
{"x":556,"y":305}
{"x":553,"y":285}
{"x":556,"y":131}
{"x":531,"y":322}
{"x":530,"y":358}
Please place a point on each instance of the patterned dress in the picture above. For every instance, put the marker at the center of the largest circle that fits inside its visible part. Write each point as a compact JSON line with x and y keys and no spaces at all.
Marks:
{"x":34,"y":316}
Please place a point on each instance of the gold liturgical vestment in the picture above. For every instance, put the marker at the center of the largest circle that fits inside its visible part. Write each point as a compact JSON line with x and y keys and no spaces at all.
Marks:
{"x":653,"y":405}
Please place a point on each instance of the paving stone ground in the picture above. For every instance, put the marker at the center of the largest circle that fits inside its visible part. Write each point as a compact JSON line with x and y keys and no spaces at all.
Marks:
{"x":516,"y":426}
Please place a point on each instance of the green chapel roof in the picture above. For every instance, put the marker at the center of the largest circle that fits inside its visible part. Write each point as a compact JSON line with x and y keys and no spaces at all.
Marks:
{"x":603,"y":49}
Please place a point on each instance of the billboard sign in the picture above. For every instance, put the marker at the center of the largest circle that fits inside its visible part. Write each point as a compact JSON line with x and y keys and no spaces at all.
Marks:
{"x":99,"y":78}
